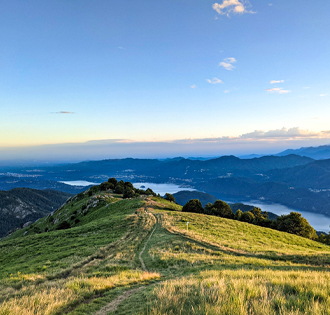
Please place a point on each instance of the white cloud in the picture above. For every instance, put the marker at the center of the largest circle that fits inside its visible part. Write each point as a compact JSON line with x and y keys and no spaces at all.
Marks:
{"x":274,"y":81}
{"x":306,"y":87}
{"x":214,"y":81}
{"x":226,"y":91}
{"x":227,"y":63}
{"x":324,"y":95}
{"x":278,"y":90}
{"x":295,"y":132}
{"x":193,"y":86}
{"x":228,"y":7}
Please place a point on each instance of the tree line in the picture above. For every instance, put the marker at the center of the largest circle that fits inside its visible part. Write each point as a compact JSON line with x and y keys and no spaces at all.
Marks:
{"x":292,"y":223}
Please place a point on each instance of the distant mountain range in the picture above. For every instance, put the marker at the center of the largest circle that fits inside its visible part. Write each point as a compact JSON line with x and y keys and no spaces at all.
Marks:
{"x":296,"y":181}
{"x":317,"y":153}
{"x":20,"y":205}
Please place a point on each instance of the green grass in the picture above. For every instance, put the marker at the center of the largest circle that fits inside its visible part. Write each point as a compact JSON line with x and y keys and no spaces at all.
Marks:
{"x":218,"y":266}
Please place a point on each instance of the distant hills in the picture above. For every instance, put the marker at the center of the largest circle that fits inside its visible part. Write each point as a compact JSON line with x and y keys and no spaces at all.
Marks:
{"x":317,"y":153}
{"x":296,"y":181}
{"x":21,"y":205}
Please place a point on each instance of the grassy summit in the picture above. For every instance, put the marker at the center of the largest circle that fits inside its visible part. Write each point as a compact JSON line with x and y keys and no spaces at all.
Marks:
{"x":101,"y":254}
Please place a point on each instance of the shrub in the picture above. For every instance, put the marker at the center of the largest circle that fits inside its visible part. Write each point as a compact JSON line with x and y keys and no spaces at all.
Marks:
{"x":150,"y":192}
{"x":238,"y":214}
{"x":294,"y":223}
{"x":222,"y":209}
{"x":247,"y":217}
{"x":169,"y":197}
{"x":113,"y":181}
{"x":63,"y":226}
{"x":106,"y":186}
{"x":128,"y":193}
{"x":193,"y":205}
{"x":119,"y":189}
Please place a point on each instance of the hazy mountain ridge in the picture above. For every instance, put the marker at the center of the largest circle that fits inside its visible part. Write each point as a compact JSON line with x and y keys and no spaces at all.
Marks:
{"x":317,"y":153}
{"x":21,"y":205}
{"x":291,"y":180}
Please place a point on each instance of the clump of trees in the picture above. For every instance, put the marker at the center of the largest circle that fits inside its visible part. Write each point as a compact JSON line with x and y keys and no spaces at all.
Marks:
{"x":169,"y":197}
{"x":292,"y":223}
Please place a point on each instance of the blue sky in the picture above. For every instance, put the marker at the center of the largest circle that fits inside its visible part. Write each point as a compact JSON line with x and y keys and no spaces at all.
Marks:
{"x":155,"y":71}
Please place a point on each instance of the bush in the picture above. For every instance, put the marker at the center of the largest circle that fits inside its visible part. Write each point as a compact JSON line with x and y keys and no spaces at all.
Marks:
{"x":193,"y":205}
{"x":112,"y":181}
{"x":128,"y":193}
{"x":222,"y":209}
{"x":247,"y":217}
{"x":294,"y":223}
{"x":63,"y":226}
{"x":150,"y":192}
{"x":106,"y":186}
{"x":119,"y":189}
{"x":169,"y":197}
{"x":238,"y":214}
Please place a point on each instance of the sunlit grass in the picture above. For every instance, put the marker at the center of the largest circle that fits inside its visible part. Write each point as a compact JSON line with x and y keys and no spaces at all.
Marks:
{"x":244,"y":292}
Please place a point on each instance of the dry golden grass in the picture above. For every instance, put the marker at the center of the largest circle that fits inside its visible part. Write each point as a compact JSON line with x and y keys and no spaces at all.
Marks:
{"x":41,"y":302}
{"x":98,"y":284}
{"x":51,"y":297}
{"x":244,"y":292}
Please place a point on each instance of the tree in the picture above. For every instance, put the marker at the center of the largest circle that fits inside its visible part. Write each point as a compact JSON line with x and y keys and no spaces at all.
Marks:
{"x":150,"y":192}
{"x":238,"y":214}
{"x":129,"y":185}
{"x":193,"y":205}
{"x":209,"y":209}
{"x":113,"y":181}
{"x":169,"y":197}
{"x":119,"y":189}
{"x":223,"y":209}
{"x":259,"y":216}
{"x":128,"y":193}
{"x":294,"y":223}
{"x":106,"y":186}
{"x":247,"y":217}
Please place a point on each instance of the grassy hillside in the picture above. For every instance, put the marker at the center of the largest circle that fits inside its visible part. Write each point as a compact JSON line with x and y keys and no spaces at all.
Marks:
{"x":21,"y":205}
{"x":101,"y":254}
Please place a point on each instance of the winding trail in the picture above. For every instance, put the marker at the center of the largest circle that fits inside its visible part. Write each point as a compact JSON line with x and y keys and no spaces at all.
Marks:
{"x":143,"y":249}
{"x":113,"y":305}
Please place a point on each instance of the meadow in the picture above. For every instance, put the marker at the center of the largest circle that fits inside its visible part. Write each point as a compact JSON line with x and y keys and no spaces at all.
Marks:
{"x":92,"y":264}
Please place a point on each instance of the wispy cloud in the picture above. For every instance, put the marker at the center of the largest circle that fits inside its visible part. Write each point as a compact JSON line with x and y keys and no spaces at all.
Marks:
{"x":324,"y":95}
{"x":227,"y":63}
{"x":228,"y":7}
{"x":193,"y":86}
{"x":214,"y":81}
{"x":64,"y":112}
{"x":274,"y":81}
{"x":120,"y":47}
{"x":278,"y":90}
{"x":295,"y":132}
{"x":226,"y":91}
{"x":306,"y":87}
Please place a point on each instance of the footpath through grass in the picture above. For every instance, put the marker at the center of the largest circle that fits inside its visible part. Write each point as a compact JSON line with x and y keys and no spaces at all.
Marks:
{"x":218,"y":266}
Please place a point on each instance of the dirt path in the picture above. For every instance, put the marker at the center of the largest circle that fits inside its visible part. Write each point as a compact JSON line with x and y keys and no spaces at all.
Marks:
{"x":112,"y":306}
{"x":143,"y":249}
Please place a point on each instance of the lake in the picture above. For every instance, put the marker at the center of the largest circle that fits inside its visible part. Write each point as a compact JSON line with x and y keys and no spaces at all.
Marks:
{"x":318,"y":221}
{"x":78,"y":183}
{"x":161,"y":189}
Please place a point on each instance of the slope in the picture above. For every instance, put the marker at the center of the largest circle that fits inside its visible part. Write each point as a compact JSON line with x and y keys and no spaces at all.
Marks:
{"x":21,"y":205}
{"x":91,"y":261}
